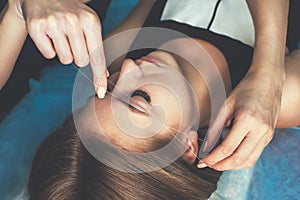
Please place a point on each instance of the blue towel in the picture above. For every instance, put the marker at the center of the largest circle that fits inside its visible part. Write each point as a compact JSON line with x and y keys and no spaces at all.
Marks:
{"x":41,"y":111}
{"x":276,"y":174}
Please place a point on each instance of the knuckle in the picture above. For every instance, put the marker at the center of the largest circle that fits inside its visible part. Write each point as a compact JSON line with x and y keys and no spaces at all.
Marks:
{"x":246,"y":115}
{"x":35,"y":25}
{"x":237,"y":160}
{"x":90,"y":18}
{"x":72,"y":18}
{"x":247,"y":109}
{"x":250,"y":163}
{"x":49,"y":54}
{"x":269,"y":139}
{"x":66,"y":60}
{"x":268,"y":128}
{"x":32,"y":23}
{"x":49,"y":23}
{"x":250,"y":111}
{"x":52,"y":21}
{"x":81,"y":62}
{"x":97,"y":59}
{"x":228,"y":102}
{"x":218,"y":168}
{"x":227,"y":150}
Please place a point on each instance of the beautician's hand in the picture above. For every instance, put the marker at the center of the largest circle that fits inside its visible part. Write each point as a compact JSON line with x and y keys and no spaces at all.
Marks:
{"x":255,"y":105}
{"x":71,"y":30}
{"x":256,"y":101}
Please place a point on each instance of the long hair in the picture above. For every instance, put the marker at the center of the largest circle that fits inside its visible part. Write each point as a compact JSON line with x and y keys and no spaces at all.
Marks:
{"x":63,"y":169}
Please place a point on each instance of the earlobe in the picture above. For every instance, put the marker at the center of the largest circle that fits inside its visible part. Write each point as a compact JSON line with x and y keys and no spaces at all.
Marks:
{"x":191,"y":141}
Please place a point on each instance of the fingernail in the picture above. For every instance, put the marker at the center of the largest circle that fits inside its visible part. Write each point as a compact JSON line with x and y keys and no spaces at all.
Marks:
{"x":107,"y":73}
{"x":201,"y":164}
{"x":101,"y":92}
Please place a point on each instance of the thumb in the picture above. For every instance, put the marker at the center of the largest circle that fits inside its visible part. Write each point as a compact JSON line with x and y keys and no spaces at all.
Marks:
{"x":215,"y":130}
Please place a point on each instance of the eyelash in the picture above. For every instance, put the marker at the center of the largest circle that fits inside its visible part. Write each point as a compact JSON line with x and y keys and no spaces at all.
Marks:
{"x":143,"y":94}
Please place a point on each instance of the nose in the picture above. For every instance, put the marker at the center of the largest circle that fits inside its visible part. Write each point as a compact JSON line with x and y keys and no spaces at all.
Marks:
{"x":127,"y":66}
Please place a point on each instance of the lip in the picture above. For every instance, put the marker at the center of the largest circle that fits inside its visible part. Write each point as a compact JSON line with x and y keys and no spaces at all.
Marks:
{"x":149,"y":59}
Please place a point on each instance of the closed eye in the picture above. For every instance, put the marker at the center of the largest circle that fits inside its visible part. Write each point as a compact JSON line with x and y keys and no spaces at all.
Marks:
{"x":140,"y":102}
{"x":137,"y":110}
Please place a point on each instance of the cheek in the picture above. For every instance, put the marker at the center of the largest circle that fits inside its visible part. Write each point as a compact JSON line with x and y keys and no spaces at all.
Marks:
{"x":113,"y":117}
{"x":166,"y":100}
{"x":104,"y":115}
{"x":173,"y":113}
{"x":139,"y":121}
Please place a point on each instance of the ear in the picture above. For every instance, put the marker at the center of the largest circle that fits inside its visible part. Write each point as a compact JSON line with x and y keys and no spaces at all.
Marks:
{"x":191,"y":141}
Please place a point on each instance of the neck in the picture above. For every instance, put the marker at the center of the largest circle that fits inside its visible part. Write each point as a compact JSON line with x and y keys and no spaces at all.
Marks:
{"x":198,"y":83}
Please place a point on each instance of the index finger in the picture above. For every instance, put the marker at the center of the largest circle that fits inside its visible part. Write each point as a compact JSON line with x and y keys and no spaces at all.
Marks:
{"x":97,"y":59}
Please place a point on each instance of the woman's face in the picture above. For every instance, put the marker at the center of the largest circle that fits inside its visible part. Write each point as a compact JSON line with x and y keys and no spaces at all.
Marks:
{"x":140,"y":106}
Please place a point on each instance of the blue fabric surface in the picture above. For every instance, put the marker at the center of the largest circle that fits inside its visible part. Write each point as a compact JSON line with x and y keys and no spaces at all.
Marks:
{"x":276,"y":174}
{"x":38,"y":114}
{"x":44,"y":109}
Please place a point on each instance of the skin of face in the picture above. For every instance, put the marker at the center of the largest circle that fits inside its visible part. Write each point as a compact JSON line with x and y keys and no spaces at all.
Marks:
{"x":105,"y":110}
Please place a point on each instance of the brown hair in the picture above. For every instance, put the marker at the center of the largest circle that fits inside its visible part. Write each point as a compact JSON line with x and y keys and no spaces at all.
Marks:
{"x":63,"y":169}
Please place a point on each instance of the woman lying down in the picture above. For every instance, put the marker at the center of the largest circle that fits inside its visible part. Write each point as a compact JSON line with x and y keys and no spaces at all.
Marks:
{"x":141,"y":140}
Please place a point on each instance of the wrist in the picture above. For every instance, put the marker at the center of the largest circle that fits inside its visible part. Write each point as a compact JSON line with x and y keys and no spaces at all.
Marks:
{"x":13,"y":21}
{"x":274,"y":76}
{"x":273,"y":67}
{"x":15,"y":8}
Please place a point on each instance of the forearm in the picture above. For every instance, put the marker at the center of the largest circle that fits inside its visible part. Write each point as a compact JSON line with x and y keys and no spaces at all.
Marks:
{"x":270,"y":21}
{"x":12,"y":36}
